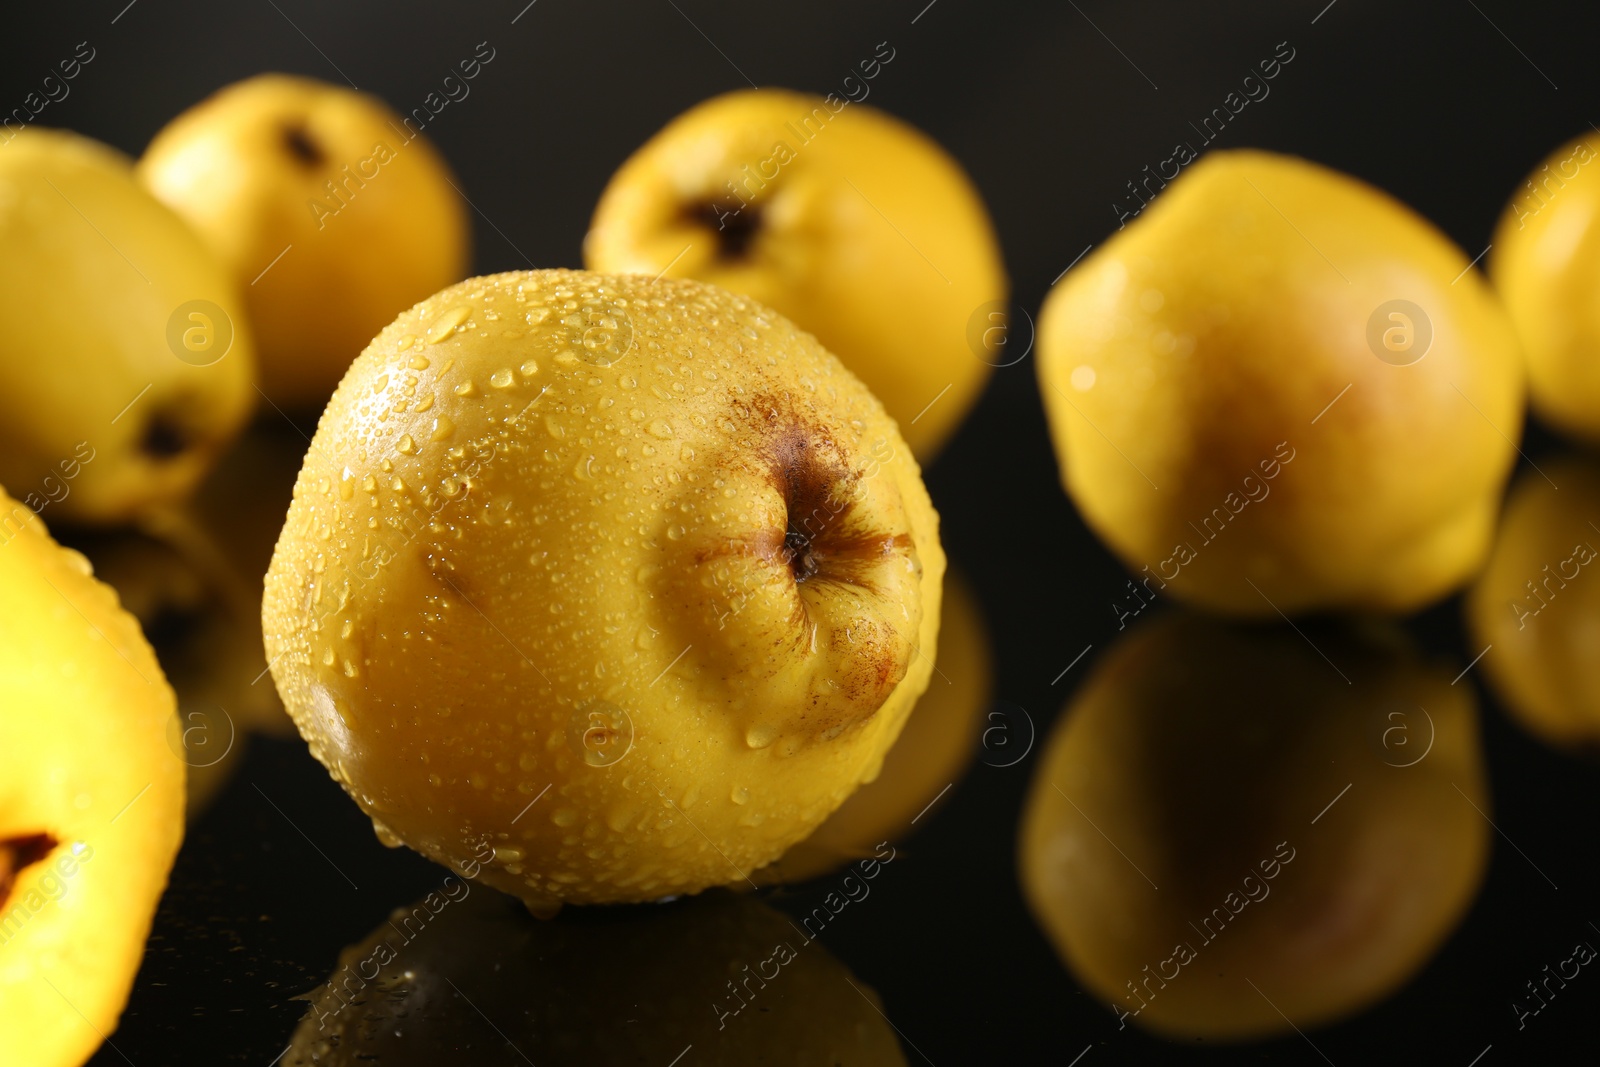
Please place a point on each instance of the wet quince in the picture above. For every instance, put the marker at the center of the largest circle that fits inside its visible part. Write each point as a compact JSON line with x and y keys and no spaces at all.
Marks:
{"x":1219,"y":808}
{"x":91,"y":797}
{"x":630,"y":578}
{"x":1280,"y":390}
{"x":852,"y":223}
{"x":333,"y":213}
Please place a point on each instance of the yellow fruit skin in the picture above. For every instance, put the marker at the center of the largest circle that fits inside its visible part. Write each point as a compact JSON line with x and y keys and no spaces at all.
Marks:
{"x":871,"y":237}
{"x":548,"y":550}
{"x":91,"y":270}
{"x":391,"y":231}
{"x":1219,"y":328}
{"x":633,"y":985}
{"x":1543,"y":640}
{"x":1546,"y":265}
{"x":933,"y":752}
{"x":84,"y":757}
{"x":1204,"y":753}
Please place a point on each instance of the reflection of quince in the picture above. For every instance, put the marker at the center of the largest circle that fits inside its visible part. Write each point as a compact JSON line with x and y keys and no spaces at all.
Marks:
{"x":469,"y":969}
{"x":1307,"y":835}
{"x":91,"y":798}
{"x":1537,"y":604}
{"x":203,"y":634}
{"x":239,"y":511}
{"x":932,"y":753}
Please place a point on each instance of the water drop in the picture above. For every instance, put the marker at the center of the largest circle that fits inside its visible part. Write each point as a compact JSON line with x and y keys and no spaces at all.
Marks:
{"x":448,"y":323}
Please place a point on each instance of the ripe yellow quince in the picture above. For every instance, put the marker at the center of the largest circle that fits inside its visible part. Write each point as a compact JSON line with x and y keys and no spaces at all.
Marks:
{"x":1546,"y":264}
{"x":729,"y":975}
{"x":630,"y":579}
{"x":1534,"y":604}
{"x":1281,"y":390}
{"x":852,"y":223}
{"x":1318,"y":839}
{"x":129,"y":363}
{"x":91,"y":797}
{"x":332,"y":212}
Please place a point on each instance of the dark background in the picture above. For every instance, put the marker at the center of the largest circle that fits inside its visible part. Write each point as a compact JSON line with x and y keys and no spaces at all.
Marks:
{"x":1432,"y":102}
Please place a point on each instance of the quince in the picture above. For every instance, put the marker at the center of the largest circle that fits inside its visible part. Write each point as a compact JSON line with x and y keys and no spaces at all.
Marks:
{"x":332,"y":212}
{"x":1279,"y":390}
{"x":852,"y":223}
{"x":129,"y":361}
{"x":630,"y":578}
{"x":1546,"y":265}
{"x":91,"y":797}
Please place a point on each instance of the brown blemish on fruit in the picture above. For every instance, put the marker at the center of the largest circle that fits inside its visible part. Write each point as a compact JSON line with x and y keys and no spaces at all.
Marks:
{"x":823,"y":536}
{"x":298,"y":140}
{"x":165,"y":436}
{"x":19,"y":853}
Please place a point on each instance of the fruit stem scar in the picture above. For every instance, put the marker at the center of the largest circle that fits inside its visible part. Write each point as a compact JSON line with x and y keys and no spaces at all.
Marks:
{"x":302,"y":146}
{"x":19,"y":853}
{"x":736,"y":228}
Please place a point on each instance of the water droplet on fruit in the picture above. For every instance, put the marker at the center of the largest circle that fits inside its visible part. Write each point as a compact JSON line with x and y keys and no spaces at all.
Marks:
{"x":388,"y":837}
{"x":406,"y":446}
{"x":448,"y":323}
{"x":740,"y":795}
{"x":502,"y":378}
{"x":443,"y":427}
{"x":601,"y":732}
{"x":760,"y":736}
